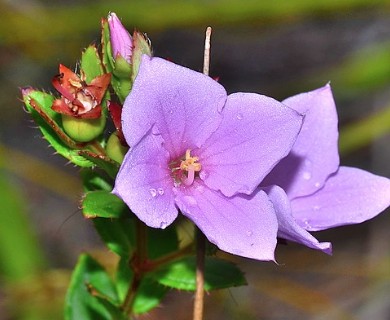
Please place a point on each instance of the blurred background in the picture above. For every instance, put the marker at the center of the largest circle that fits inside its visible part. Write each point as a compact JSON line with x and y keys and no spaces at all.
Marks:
{"x":277,"y":48}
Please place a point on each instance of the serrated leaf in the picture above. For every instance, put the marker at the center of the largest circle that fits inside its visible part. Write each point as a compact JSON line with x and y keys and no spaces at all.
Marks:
{"x":91,"y":65}
{"x":149,"y":293}
{"x":180,"y":274}
{"x":51,"y":131}
{"x":117,"y":234}
{"x":79,"y":302}
{"x":103,"y":204}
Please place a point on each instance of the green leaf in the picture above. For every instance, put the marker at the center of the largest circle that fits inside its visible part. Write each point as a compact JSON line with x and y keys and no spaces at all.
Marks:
{"x":180,"y":274}
{"x":161,"y":242}
{"x":118,"y":234}
{"x":149,"y":293}
{"x":49,"y":123}
{"x":103,"y":204}
{"x":91,"y":66}
{"x":123,"y":277}
{"x":94,"y":180}
{"x":80,"y":302}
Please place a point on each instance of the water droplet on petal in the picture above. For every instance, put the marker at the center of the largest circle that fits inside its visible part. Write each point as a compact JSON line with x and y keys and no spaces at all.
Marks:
{"x":307,"y":175}
{"x":163,"y":225}
{"x":249,"y":233}
{"x":316,"y":208}
{"x":240,"y":116}
{"x":153,"y":192}
{"x":317,"y":184}
{"x":306,"y":222}
{"x":160,"y":191}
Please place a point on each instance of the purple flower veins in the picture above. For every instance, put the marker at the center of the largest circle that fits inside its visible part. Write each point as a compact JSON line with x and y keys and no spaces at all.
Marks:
{"x":218,"y":159}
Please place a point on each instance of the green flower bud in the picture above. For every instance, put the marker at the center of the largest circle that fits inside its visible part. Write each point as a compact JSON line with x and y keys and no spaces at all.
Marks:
{"x":115,"y":150}
{"x":83,"y":130}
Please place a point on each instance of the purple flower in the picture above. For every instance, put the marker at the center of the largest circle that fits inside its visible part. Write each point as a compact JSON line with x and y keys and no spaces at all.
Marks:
{"x":309,"y":190}
{"x":121,"y":41}
{"x":198,"y":150}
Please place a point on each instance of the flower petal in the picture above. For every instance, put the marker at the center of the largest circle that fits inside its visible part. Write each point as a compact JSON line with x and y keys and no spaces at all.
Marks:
{"x":315,"y":153}
{"x":183,"y":104}
{"x":239,"y":225}
{"x":121,"y":40}
{"x":145,"y":185}
{"x":288,"y":228}
{"x":255,"y":133}
{"x":349,"y":196}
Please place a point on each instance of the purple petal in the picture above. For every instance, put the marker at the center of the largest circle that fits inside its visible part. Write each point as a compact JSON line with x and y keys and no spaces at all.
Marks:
{"x":288,"y":228}
{"x":121,"y":41}
{"x":145,"y":184}
{"x":315,"y":153}
{"x":239,"y":225}
{"x":256,"y":132}
{"x":349,"y":196}
{"x":184,"y":105}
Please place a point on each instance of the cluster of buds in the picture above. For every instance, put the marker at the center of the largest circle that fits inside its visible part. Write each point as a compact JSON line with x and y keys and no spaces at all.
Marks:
{"x":75,"y":122}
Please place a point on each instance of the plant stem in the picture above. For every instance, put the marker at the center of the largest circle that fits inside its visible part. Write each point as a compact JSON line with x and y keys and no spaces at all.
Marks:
{"x":200,"y":257}
{"x":200,"y":238}
{"x":136,"y":263}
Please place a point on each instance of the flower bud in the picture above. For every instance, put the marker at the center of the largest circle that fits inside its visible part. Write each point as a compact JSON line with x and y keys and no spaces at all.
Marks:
{"x":83,"y":130}
{"x":114,"y":148}
{"x":121,"y":41}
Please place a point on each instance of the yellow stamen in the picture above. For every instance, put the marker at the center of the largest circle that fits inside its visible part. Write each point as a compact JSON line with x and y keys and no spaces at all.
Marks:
{"x":190,"y":163}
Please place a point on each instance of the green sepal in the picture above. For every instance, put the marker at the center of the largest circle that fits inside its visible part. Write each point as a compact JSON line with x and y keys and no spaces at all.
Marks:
{"x":91,"y":65}
{"x":103,"y":204}
{"x":122,"y":69}
{"x":114,"y":148}
{"x":111,"y":167}
{"x":39,"y":105}
{"x":107,"y":58}
{"x":149,"y":293}
{"x":89,"y":285}
{"x":122,"y":87}
{"x":117,"y":234}
{"x":180,"y":274}
{"x":141,"y":45}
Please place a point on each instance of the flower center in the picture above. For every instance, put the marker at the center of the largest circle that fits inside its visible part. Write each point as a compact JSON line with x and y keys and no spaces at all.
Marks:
{"x":184,"y":169}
